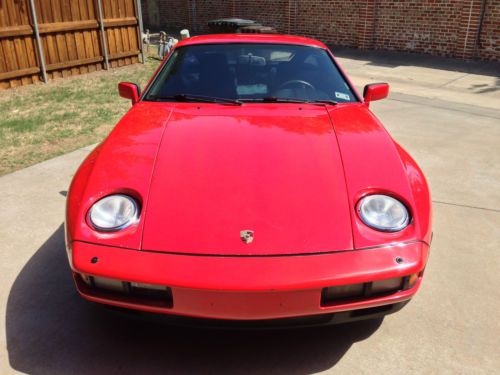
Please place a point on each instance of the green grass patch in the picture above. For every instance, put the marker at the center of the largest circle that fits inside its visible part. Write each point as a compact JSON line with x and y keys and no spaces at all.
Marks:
{"x":42,"y":121}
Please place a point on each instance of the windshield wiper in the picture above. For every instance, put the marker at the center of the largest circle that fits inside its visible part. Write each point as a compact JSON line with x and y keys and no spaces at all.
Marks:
{"x":273,"y":99}
{"x":196,"y":98}
{"x":323,"y":101}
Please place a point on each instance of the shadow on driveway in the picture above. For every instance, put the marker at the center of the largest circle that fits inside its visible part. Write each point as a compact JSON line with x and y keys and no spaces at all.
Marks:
{"x":50,"y":329}
{"x":394,"y":59}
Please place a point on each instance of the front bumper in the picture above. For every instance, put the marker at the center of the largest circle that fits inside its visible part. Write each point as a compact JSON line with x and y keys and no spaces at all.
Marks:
{"x":249,"y":288}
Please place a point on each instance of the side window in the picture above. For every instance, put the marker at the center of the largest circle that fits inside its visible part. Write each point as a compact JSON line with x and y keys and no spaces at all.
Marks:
{"x":166,"y":76}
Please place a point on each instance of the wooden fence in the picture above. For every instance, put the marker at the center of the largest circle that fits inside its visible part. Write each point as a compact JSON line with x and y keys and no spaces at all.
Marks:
{"x":73,"y":38}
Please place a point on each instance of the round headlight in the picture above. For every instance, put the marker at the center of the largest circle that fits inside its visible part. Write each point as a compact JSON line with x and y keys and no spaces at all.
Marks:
{"x":383,"y":213}
{"x":114,"y":212}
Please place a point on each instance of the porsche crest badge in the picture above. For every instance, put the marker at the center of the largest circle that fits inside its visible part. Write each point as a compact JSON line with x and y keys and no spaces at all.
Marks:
{"x":246,"y":236}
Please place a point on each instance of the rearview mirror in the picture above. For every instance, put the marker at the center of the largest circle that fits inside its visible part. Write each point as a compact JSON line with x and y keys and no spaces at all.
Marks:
{"x":130,"y":91}
{"x":375,"y":91}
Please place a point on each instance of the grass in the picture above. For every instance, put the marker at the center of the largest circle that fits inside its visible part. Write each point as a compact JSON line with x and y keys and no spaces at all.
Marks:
{"x":38,"y":122}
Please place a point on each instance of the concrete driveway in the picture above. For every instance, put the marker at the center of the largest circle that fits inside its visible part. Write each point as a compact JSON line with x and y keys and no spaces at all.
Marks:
{"x":451,"y":326}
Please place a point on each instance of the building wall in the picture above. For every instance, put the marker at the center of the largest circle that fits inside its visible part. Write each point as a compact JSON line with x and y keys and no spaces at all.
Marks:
{"x":422,"y":26}
{"x":489,"y":39}
{"x":457,"y":28}
{"x":173,"y":14}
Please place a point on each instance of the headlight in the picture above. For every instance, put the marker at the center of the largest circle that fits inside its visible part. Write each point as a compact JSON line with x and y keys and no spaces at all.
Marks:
{"x":114,"y":212}
{"x":383,"y":213}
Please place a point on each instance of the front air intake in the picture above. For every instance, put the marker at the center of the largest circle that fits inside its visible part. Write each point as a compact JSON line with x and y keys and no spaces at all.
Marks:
{"x":339,"y":294}
{"x":117,"y":290}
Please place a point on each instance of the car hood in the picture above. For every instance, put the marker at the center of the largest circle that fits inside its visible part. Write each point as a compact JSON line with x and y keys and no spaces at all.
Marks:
{"x":273,"y":170}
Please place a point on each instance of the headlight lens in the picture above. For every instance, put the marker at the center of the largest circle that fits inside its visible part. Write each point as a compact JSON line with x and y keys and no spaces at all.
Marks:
{"x":114,"y":212}
{"x":383,"y":213}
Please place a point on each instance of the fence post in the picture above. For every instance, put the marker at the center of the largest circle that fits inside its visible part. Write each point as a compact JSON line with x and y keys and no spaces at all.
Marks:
{"x":103,"y":35}
{"x":139,"y":20}
{"x":38,"y":42}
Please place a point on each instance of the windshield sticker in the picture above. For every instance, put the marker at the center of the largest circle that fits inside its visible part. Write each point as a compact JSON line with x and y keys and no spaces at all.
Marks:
{"x":257,"y":89}
{"x":341,"y":95}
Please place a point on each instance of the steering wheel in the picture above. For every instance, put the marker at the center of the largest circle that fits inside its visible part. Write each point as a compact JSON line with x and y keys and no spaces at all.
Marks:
{"x":296,"y":82}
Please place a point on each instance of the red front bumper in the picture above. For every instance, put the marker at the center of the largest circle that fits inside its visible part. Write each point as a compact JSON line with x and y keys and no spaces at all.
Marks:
{"x":248,"y":288}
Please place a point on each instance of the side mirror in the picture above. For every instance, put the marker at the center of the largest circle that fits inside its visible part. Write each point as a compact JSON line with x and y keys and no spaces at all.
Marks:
{"x":130,"y":91}
{"x":375,"y":91}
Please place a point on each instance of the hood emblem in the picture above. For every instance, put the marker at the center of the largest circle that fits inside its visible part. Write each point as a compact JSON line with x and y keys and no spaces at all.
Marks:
{"x":246,"y":236}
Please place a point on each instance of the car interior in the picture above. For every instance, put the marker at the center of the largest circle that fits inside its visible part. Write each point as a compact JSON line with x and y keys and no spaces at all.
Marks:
{"x":253,"y":72}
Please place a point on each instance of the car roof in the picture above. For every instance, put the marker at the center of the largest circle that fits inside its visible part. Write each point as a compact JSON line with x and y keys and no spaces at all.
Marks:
{"x":251,"y":38}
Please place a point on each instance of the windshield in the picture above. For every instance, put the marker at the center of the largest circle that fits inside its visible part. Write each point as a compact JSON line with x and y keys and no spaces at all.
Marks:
{"x":251,"y":72}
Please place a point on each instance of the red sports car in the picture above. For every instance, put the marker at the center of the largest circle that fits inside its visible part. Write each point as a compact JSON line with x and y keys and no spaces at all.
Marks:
{"x":250,"y":181}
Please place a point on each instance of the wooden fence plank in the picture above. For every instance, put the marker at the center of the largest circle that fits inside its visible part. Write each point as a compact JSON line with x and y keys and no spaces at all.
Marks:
{"x":28,"y":44}
{"x":11,"y":15}
{"x":116,"y":32}
{"x":63,"y":40}
{"x":20,"y":56}
{"x":30,"y":51}
{"x":69,"y":64}
{"x":57,"y":27}
{"x":124,"y":21}
{"x":77,"y":36}
{"x":22,"y":59}
{"x":121,"y":55}
{"x":126,"y":43}
{"x":18,"y":73}
{"x":66,"y":18}
{"x":56,"y":11}
{"x":3,"y":62}
{"x":114,"y":9}
{"x":69,"y":35}
{"x":71,"y":42}
{"x":12,"y":31}
{"x":30,"y":47}
{"x":3,"y":20}
{"x":11,"y":61}
{"x":123,"y":30}
{"x":62,"y":51}
{"x":83,"y":17}
{"x":129,"y":8}
{"x":9,"y":55}
{"x":91,"y":11}
{"x":121,"y":8}
{"x":89,"y":47}
{"x":40,"y":12}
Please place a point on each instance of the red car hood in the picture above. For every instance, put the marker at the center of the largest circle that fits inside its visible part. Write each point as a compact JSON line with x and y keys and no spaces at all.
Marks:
{"x":222,"y":170}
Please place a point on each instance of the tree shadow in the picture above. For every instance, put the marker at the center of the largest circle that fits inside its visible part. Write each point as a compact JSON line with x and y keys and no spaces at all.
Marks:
{"x":50,"y":329}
